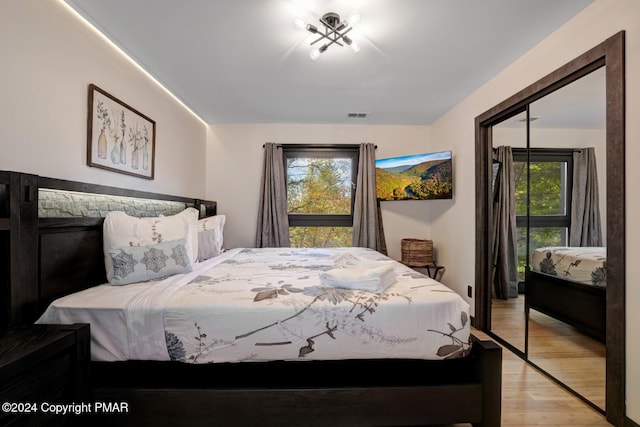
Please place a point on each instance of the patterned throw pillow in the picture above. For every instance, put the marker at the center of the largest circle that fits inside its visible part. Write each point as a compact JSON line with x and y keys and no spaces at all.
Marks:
{"x":210,"y":237}
{"x":120,"y":229}
{"x":132,"y":264}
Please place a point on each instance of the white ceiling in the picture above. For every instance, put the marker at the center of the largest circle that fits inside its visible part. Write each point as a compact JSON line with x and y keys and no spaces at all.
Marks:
{"x":580,"y":104}
{"x":243,"y":61}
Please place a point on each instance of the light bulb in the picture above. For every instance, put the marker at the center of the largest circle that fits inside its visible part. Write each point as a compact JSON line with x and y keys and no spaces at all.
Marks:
{"x":355,"y":47}
{"x":314,"y":55}
{"x":299,"y":23}
{"x":354,"y":19}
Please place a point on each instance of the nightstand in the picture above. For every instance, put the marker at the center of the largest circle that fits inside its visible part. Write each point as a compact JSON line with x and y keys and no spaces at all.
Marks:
{"x":43,"y":364}
{"x":435,"y":271}
{"x":432,"y":270}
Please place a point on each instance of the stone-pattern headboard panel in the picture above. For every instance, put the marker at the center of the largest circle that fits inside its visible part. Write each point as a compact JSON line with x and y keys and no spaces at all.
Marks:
{"x":66,"y":204}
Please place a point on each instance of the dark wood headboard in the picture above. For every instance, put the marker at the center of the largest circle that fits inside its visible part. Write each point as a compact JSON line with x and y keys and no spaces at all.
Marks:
{"x":46,"y":256}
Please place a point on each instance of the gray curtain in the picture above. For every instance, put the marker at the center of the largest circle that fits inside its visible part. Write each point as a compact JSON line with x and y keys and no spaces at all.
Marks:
{"x":586,"y":227}
{"x":367,"y":218}
{"x":273,"y":221}
{"x":504,"y":271}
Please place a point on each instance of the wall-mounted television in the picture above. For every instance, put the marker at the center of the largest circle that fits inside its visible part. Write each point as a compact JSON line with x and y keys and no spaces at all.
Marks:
{"x":415,"y":177}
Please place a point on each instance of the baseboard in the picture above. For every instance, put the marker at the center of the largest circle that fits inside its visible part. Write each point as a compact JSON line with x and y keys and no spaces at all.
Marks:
{"x":630,"y":423}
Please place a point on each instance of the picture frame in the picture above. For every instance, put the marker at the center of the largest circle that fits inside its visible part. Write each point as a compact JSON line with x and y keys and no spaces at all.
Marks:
{"x":119,"y":137}
{"x":426,"y":176}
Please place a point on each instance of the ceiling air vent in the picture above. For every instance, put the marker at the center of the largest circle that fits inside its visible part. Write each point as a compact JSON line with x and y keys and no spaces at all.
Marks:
{"x":357,"y":115}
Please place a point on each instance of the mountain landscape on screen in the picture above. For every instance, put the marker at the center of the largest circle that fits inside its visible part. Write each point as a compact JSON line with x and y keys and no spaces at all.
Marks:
{"x":415,"y":177}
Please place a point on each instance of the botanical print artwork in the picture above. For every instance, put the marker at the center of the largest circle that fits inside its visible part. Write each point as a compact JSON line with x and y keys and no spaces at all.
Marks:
{"x":269,"y":304}
{"x":114,"y":132}
{"x":120,"y":138}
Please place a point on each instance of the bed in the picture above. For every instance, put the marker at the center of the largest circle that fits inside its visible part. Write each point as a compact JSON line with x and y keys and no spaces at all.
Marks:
{"x":279,"y":370}
{"x":569,"y":284}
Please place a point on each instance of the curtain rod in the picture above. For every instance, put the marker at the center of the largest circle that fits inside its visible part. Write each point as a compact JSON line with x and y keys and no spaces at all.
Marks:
{"x":549,"y":150}
{"x":315,"y":146}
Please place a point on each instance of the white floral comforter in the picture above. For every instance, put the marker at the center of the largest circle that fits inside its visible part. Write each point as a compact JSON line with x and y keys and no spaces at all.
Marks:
{"x":269,"y":304}
{"x":586,"y":265}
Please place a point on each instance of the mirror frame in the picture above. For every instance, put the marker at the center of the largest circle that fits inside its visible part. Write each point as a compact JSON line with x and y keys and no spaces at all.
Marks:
{"x":610,"y":54}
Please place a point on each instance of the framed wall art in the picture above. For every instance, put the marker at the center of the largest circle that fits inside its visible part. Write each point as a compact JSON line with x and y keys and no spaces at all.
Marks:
{"x":415,"y":177}
{"x":119,"y":138}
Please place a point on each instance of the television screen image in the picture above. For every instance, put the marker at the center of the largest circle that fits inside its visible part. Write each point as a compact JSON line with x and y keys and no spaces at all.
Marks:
{"x":416,"y":177}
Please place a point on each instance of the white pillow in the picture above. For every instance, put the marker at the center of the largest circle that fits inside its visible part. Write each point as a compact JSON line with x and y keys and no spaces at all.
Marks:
{"x":120,"y":229}
{"x":134,"y":264}
{"x":210,"y":236}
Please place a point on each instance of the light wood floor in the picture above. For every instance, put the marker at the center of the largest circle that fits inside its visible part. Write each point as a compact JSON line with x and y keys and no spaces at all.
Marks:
{"x":570,"y":356}
{"x":529,"y":398}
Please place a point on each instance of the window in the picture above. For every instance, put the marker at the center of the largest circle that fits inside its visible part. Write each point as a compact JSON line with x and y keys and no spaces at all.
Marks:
{"x":320,"y":194}
{"x":550,"y":185}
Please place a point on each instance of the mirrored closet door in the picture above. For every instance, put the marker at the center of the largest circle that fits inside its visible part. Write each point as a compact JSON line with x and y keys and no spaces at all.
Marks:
{"x":550,"y":238}
{"x":566,"y":235}
{"x":547,"y":234}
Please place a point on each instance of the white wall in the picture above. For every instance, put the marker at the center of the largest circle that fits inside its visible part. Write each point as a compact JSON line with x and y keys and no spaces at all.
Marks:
{"x":455,"y":131}
{"x":49,"y":57}
{"x":234,"y":166}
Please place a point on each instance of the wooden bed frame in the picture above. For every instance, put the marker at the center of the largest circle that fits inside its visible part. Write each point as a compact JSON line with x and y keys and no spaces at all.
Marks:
{"x":577,"y":304}
{"x":42,"y":259}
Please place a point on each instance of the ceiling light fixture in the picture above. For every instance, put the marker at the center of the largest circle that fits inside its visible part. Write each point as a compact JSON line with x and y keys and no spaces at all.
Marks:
{"x":335,"y":32}
{"x":531,"y":119}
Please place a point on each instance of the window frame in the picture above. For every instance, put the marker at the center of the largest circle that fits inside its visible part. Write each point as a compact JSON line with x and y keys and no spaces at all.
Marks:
{"x":550,"y":155}
{"x":527,"y":221}
{"x":323,"y":151}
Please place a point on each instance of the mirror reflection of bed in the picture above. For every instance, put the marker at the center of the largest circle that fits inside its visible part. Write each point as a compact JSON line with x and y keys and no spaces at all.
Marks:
{"x":549,"y":281}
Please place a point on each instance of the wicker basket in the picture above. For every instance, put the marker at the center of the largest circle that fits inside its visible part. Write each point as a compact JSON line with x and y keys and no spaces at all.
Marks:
{"x":417,"y":252}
